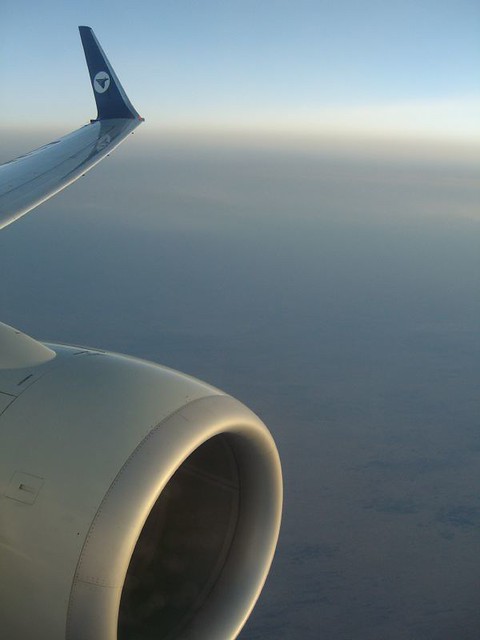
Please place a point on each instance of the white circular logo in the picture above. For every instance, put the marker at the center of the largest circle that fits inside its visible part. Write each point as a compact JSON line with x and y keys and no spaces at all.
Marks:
{"x":101,"y":82}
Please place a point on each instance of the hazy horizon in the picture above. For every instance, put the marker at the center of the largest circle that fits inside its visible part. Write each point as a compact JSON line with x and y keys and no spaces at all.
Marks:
{"x":398,"y":68}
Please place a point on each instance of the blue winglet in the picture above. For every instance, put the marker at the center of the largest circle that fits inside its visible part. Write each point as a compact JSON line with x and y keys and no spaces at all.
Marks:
{"x":111,"y":99}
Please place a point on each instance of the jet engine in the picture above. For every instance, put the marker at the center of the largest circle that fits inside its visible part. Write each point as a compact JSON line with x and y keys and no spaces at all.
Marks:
{"x":136,"y":503}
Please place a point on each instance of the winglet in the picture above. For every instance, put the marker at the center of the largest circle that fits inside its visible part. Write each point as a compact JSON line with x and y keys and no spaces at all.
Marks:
{"x":111,"y":99}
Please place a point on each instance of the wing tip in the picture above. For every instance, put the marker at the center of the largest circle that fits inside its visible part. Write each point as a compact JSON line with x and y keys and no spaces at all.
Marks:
{"x":111,"y":99}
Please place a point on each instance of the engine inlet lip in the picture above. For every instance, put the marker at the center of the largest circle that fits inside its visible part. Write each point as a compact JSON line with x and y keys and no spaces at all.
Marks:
{"x":105,"y":557}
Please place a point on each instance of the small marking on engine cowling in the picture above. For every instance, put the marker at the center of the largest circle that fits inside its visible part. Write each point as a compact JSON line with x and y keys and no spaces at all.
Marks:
{"x":24,"y":487}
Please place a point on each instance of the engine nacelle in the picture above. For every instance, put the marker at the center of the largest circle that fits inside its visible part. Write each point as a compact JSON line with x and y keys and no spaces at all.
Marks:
{"x":135,"y":502}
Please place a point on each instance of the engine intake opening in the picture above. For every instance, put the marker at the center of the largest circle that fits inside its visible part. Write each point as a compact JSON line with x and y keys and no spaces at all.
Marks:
{"x":183,"y":546}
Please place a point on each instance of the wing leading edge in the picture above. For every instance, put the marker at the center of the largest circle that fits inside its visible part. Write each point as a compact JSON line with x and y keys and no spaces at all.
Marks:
{"x":36,"y":176}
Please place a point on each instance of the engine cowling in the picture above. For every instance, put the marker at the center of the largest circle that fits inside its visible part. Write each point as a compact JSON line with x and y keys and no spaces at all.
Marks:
{"x":135,"y":501}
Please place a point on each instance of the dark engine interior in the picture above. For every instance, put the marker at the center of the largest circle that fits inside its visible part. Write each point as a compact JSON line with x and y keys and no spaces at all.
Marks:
{"x":183,"y":546}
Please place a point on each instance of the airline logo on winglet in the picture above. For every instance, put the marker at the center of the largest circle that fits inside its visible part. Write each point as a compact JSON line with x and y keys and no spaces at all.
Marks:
{"x":101,"y":82}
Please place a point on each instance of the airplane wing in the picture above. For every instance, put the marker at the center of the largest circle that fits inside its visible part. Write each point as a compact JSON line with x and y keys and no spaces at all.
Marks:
{"x":36,"y":176}
{"x":135,"y":501}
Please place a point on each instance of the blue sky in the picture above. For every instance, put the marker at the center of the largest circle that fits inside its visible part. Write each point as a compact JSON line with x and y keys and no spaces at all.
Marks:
{"x":402,"y":67}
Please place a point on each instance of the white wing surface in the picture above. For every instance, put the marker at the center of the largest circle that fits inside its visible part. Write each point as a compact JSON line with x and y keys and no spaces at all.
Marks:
{"x":36,"y":176}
